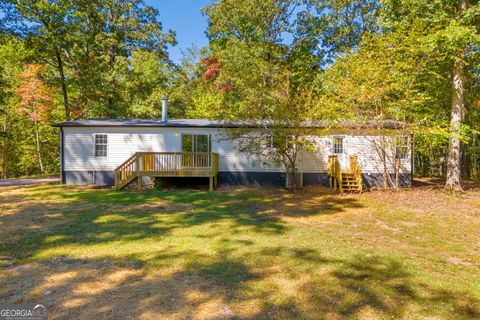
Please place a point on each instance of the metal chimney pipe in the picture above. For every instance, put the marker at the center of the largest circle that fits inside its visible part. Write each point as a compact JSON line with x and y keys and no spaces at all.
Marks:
{"x":164,"y":109}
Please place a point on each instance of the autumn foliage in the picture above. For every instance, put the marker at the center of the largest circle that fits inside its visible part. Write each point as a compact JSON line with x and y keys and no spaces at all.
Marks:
{"x":212,"y":69}
{"x":34,"y":94}
{"x":212,"y":72}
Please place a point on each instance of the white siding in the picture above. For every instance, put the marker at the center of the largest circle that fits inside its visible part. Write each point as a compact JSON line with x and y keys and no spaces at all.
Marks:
{"x":364,"y":147}
{"x":79,"y":150}
{"x":79,"y":147}
{"x":230,"y":159}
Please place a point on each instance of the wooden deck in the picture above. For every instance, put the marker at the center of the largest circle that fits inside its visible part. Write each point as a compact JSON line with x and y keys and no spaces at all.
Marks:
{"x":167,"y":164}
{"x":349,"y":180}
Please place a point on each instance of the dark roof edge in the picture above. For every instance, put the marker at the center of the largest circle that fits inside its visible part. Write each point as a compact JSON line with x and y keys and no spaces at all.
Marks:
{"x":94,"y":123}
{"x":72,"y":125}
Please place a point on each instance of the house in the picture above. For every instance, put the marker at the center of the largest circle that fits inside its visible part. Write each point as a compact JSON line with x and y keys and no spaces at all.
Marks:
{"x":116,"y":152}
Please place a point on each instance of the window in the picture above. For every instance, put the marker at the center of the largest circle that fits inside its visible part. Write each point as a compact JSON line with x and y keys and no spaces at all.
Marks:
{"x":269,"y":141}
{"x":337,"y":145}
{"x":401,"y":147}
{"x":101,"y":145}
{"x":196,"y":143}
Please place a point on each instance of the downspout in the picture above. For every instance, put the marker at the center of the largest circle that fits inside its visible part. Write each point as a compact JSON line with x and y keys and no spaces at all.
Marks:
{"x":62,"y":173}
{"x":412,"y":159}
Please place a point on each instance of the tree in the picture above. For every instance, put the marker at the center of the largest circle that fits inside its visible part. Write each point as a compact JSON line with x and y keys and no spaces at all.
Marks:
{"x":280,"y":134}
{"x":46,"y":30}
{"x":35,"y":101}
{"x":12,"y":53}
{"x":405,"y":72}
{"x":128,"y":27}
{"x":253,"y":75}
{"x":90,"y":45}
{"x":377,"y":82}
{"x":334,"y":27}
{"x":449,"y":32}
{"x":454,"y":170}
{"x":102,"y":58}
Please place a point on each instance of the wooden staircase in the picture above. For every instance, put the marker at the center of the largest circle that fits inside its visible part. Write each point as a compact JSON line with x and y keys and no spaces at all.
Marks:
{"x":126,"y":173}
{"x":347,"y":181}
{"x":167,"y":164}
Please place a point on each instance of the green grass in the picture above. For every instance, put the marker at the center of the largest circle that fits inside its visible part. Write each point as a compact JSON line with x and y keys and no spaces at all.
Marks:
{"x":241,"y":253}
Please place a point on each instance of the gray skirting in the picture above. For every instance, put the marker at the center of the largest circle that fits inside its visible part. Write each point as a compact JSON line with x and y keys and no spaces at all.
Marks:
{"x":277,"y":179}
{"x":370,"y":180}
{"x":375,"y":180}
{"x":99,"y":178}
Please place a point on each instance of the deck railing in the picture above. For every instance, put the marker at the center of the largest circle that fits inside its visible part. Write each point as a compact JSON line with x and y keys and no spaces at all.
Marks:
{"x":357,"y":173}
{"x":167,"y":164}
{"x":334,"y":172}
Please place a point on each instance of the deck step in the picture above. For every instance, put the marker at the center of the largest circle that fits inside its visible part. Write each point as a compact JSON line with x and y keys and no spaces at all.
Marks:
{"x":124,"y":183}
{"x":349,"y":183}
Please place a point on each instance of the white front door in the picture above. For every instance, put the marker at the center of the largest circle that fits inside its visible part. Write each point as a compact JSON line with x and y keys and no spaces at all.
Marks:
{"x":338,"y":148}
{"x":344,"y":161}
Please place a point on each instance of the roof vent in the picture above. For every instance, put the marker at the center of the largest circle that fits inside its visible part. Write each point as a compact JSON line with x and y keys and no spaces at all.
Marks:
{"x":164,"y":109}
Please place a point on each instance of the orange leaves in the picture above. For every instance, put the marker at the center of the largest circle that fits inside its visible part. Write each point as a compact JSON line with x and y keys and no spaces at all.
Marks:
{"x":34,"y":94}
{"x":212,"y":69}
{"x":212,"y":72}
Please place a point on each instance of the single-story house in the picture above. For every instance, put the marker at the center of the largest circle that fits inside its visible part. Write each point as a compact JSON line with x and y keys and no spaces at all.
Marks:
{"x":110,"y":152}
{"x":116,"y":152}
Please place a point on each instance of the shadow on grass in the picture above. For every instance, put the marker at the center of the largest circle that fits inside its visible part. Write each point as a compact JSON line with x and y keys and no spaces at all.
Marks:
{"x":90,"y":217}
{"x":222,"y":282}
{"x":227,"y":288}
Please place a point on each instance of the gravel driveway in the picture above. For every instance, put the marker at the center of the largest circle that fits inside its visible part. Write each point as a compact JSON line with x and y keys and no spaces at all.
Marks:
{"x":29,"y":181}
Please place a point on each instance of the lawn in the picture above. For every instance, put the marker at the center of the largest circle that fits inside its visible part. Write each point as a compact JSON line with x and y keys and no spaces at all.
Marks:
{"x":241,"y":253}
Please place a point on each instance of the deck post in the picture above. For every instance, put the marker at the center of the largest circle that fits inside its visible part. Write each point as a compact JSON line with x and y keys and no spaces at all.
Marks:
{"x":211,"y":183}
{"x":139,"y":174}
{"x":116,"y":178}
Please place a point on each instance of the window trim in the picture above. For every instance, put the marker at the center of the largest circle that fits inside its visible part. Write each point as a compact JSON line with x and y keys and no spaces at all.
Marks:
{"x":209,"y":141}
{"x":95,"y":144}
{"x":401,"y":142}
{"x":342,"y":139}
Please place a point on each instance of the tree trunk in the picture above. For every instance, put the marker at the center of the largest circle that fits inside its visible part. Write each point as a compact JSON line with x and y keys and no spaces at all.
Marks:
{"x":384,"y":160}
{"x":397,"y":174}
{"x":39,"y":154}
{"x":454,"y":168}
{"x":112,"y":81}
{"x":474,"y":165}
{"x":64,"y":84}
{"x":293,"y":179}
{"x":4,"y":151}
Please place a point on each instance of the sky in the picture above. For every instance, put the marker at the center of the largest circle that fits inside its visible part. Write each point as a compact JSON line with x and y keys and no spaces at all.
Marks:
{"x":184,"y":17}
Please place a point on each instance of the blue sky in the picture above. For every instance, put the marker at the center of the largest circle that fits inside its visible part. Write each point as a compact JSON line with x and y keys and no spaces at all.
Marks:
{"x":184,"y":17}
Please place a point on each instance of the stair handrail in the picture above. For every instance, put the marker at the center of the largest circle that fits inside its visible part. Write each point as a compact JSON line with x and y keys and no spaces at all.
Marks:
{"x":334,"y":170}
{"x":338,"y":174}
{"x":118,"y":171}
{"x":331,"y":160}
{"x":356,"y":171}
